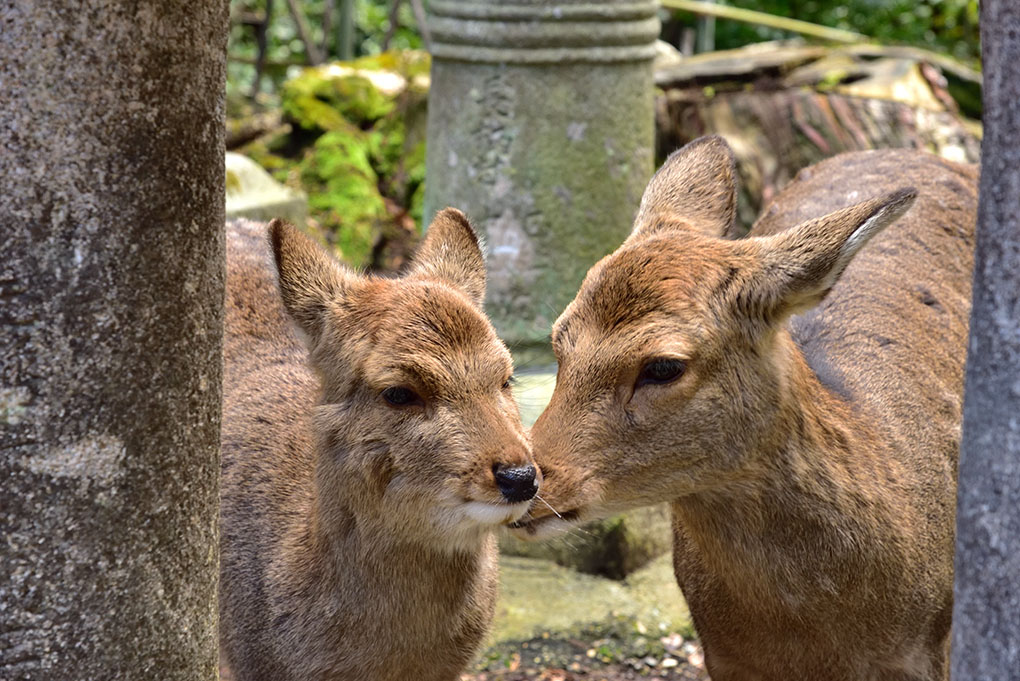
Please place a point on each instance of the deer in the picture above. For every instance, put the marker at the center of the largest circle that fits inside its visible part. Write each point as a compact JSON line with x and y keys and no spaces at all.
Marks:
{"x":371,"y":447}
{"x":793,"y":395}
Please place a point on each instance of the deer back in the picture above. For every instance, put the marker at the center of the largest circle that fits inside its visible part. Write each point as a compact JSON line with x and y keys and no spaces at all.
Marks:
{"x":890,"y":337}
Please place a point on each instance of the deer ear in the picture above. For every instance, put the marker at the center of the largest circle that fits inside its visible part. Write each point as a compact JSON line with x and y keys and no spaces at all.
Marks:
{"x":452,"y":253}
{"x":800,"y":266}
{"x":696,"y":189}
{"x":311,"y":281}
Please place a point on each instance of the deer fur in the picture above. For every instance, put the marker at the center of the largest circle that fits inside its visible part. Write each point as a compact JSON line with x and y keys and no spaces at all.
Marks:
{"x":809,"y":445}
{"x":357,"y":536}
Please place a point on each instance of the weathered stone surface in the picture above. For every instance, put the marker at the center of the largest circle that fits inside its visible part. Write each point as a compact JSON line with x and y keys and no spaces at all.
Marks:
{"x":540,"y":127}
{"x":986,"y":613}
{"x":784,"y":107}
{"x":537,"y":595}
{"x":111,"y":290}
{"x":353,"y":140}
{"x":252,"y":193}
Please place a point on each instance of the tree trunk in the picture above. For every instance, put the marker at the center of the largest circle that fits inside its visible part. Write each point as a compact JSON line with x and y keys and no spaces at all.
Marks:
{"x":111,"y":296}
{"x":986,"y":623}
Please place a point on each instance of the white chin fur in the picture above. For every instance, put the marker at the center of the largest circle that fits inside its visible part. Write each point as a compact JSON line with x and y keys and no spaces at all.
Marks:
{"x":494,"y":514}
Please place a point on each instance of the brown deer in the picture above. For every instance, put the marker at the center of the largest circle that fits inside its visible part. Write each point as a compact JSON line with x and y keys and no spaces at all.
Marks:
{"x":365,"y":470}
{"x":800,"y":407}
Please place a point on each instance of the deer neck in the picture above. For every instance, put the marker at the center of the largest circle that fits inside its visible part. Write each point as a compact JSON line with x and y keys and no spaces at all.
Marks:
{"x":809,"y":502}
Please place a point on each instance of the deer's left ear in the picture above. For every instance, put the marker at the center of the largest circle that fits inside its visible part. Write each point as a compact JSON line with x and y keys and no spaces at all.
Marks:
{"x":800,"y":266}
{"x":452,"y":253}
{"x":313,"y":286}
{"x":696,"y":189}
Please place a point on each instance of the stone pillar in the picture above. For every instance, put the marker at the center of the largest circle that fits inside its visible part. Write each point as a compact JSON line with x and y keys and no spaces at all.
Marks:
{"x":986,"y":610}
{"x":540,"y":128}
{"x":111,"y":316}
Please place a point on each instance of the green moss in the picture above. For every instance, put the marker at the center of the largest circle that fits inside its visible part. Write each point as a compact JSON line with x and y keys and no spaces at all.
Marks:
{"x":356,"y":147}
{"x":315,"y":100}
{"x":544,"y":601}
{"x":344,"y":192}
{"x":233,"y":182}
{"x":326,"y":97}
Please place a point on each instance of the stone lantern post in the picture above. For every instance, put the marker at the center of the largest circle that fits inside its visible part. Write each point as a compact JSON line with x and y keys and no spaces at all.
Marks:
{"x":540,"y":128}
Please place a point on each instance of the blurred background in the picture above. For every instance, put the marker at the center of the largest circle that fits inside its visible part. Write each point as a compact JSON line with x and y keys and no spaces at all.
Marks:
{"x":349,"y":136}
{"x":328,"y":114}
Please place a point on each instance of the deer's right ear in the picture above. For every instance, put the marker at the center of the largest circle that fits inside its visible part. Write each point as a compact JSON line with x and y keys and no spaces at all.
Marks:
{"x":695,"y":189}
{"x":311,"y":281}
{"x":798,"y":267}
{"x":451,"y":253}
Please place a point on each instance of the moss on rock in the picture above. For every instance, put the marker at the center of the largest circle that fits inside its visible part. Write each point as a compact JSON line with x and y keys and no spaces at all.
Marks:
{"x":356,"y":146}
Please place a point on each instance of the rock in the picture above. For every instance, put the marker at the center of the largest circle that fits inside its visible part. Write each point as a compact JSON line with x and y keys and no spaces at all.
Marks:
{"x":252,"y":193}
{"x":540,"y":596}
{"x":540,"y":127}
{"x":358,"y":92}
{"x":614,"y":547}
{"x":354,"y":141}
{"x":783,"y":107}
{"x":345,"y":192}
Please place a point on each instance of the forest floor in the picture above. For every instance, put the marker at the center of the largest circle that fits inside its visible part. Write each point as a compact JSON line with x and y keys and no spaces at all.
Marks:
{"x":608,"y":651}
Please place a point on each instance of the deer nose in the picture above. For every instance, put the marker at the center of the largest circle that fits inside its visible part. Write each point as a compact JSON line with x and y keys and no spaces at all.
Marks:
{"x":516,"y":483}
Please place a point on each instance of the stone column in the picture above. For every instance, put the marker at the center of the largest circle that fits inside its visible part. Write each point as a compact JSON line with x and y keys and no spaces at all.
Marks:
{"x":111,"y":316}
{"x":986,"y":610}
{"x":540,"y":128}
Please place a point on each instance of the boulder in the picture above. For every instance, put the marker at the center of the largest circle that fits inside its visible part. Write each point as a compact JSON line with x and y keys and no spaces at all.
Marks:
{"x":539,"y":596}
{"x":252,"y":193}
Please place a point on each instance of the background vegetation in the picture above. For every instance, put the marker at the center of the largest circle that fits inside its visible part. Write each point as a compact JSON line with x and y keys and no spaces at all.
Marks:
{"x":946,"y":26}
{"x":352,"y":138}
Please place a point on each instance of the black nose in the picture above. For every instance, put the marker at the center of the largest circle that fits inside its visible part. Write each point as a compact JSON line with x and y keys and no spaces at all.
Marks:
{"x":516,"y":483}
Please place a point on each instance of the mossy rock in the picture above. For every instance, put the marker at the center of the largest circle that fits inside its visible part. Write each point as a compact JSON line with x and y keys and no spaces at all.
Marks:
{"x":356,"y":146}
{"x":361,"y":92}
{"x":344,"y":193}
{"x":539,"y":596}
{"x":614,"y":547}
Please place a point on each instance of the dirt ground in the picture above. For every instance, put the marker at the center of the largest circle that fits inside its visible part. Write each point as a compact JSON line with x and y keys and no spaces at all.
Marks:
{"x":584,"y":659}
{"x":606,"y":656}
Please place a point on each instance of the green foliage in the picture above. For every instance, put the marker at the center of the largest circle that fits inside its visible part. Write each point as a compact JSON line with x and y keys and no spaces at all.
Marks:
{"x":286,"y":52}
{"x":946,"y":26}
{"x":343,"y":191}
{"x":356,"y":147}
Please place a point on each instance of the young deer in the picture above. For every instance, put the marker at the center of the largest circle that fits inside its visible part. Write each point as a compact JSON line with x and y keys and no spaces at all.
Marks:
{"x":810,"y":459}
{"x":363,"y":476}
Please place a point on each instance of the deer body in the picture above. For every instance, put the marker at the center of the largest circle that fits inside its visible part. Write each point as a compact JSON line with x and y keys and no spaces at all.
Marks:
{"x":811,"y":463}
{"x":356,"y":533}
{"x":857,"y":548}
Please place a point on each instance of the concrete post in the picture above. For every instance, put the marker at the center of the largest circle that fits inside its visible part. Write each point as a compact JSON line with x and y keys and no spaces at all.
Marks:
{"x":986,"y":609}
{"x":540,"y":128}
{"x":111,"y":315}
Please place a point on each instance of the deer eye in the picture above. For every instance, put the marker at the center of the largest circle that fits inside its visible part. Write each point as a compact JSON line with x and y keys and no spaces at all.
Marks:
{"x":510,"y":380}
{"x":401,"y":397}
{"x":659,"y":371}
